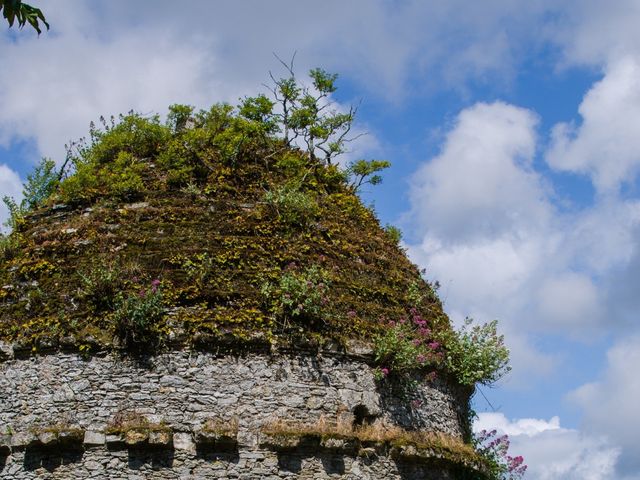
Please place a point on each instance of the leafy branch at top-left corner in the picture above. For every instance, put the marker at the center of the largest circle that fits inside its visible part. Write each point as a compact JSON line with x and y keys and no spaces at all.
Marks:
{"x":13,"y":10}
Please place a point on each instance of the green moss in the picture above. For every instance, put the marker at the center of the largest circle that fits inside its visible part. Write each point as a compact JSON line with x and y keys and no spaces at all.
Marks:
{"x":187,"y":206}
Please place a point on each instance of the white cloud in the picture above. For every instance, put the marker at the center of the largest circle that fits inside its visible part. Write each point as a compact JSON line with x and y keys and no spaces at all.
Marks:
{"x":481,"y":184}
{"x":487,"y":227}
{"x":606,"y":145}
{"x":569,"y":298}
{"x":70,"y":80}
{"x":524,"y":426}
{"x":593,"y":32}
{"x":552,"y":452}
{"x":10,"y":185}
{"x":610,"y":404}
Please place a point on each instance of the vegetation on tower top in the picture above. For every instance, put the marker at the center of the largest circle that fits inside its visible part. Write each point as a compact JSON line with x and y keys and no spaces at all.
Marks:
{"x":227,"y":223}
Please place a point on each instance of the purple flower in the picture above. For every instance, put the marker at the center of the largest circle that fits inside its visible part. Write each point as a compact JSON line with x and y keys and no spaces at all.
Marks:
{"x":351,"y":314}
{"x":384,"y":371}
{"x":424,"y":332}
{"x":434,"y":345}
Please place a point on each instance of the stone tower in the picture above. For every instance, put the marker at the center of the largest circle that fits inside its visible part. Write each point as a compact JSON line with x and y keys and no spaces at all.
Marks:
{"x":193,"y":305}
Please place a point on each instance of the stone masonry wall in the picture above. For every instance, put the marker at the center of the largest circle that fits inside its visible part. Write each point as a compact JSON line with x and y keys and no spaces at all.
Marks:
{"x":183,"y":390}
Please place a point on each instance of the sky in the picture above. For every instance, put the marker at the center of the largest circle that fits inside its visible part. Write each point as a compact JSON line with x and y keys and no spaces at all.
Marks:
{"x":513,"y":134}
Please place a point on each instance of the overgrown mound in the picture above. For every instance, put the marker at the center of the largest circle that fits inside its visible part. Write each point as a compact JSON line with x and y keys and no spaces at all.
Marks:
{"x":202,"y":228}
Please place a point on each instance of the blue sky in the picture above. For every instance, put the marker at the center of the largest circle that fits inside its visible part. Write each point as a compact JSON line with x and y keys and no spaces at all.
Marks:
{"x":512,"y":129}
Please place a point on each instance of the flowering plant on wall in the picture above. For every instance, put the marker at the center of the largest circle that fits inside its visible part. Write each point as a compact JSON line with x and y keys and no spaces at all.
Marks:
{"x":494,"y":449}
{"x":406,"y":345}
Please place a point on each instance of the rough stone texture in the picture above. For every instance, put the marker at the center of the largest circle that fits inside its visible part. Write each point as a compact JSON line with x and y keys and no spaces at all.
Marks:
{"x":173,"y":464}
{"x":183,"y":390}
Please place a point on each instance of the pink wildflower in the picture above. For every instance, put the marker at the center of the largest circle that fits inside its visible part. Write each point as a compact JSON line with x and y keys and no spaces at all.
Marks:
{"x":424,"y":332}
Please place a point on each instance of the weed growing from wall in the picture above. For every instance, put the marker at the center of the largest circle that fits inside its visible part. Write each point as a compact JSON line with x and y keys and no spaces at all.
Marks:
{"x":299,"y":294}
{"x":494,"y":449}
{"x":136,"y":317}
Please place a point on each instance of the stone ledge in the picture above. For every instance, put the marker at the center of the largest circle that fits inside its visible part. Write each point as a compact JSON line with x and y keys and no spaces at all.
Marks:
{"x":220,"y":346}
{"x":220,"y":441}
{"x":46,"y":437}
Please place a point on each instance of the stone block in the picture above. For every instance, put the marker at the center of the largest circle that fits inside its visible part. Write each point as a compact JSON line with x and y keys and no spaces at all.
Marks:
{"x":22,"y":439}
{"x":93,"y":439}
{"x":136,"y":437}
{"x":113,"y":440}
{"x":184,"y":441}
{"x":47,"y":438}
{"x":160,"y":438}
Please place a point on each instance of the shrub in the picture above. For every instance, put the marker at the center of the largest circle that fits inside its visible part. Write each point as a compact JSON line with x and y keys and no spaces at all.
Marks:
{"x":111,"y":163}
{"x":199,"y":269}
{"x":9,"y":245}
{"x":180,"y":157}
{"x":101,"y":284}
{"x":476,"y":354}
{"x":394,"y":233}
{"x":135,"y":134}
{"x":178,"y":117}
{"x":494,"y":450}
{"x":365,"y":171}
{"x":40,"y":184}
{"x":293,"y":206}
{"x":406,"y":346}
{"x":136,"y":316}
{"x":121,"y":177}
{"x":299,"y":294}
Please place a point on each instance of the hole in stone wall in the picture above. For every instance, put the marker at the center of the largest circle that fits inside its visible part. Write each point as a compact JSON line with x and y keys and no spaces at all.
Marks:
{"x":289,"y":463}
{"x":139,"y":458}
{"x":51,"y":458}
{"x":4,"y":454}
{"x":361,"y":416}
{"x":333,"y":464}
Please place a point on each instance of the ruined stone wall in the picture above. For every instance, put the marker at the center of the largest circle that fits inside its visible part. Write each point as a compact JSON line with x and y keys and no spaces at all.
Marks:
{"x":181,"y":391}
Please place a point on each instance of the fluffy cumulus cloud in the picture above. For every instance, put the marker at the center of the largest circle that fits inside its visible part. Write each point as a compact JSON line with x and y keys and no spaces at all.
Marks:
{"x":610,"y":404}
{"x":53,"y":86}
{"x":484,"y":219}
{"x":596,"y":33}
{"x":606,"y":145}
{"x":508,"y":253}
{"x":552,"y":452}
{"x":481,"y":185}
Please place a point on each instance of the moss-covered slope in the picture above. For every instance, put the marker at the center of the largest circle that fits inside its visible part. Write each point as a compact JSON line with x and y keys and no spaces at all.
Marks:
{"x":211,"y":230}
